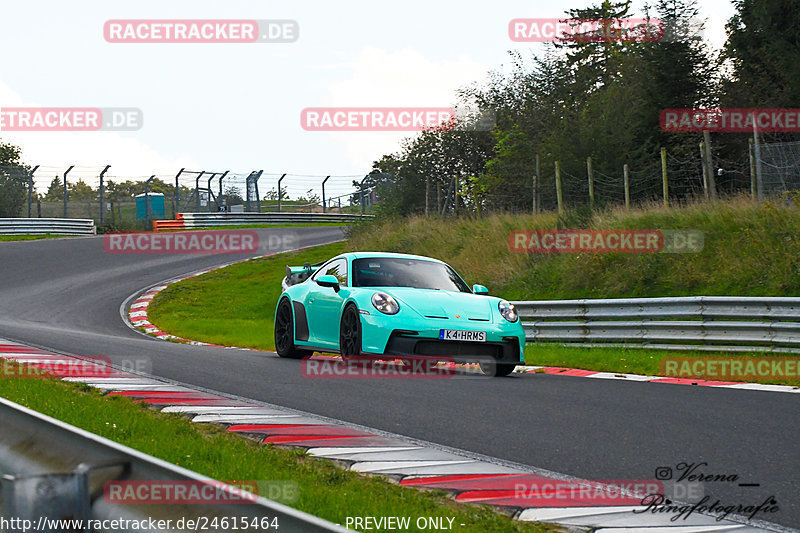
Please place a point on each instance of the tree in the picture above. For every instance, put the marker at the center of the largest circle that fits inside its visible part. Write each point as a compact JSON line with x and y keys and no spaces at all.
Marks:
{"x":233,"y":195}
{"x":80,"y":191}
{"x":13,"y":181}
{"x":55,"y":192}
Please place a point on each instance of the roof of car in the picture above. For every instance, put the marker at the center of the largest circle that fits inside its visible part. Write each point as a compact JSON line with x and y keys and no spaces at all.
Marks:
{"x":378,"y":255}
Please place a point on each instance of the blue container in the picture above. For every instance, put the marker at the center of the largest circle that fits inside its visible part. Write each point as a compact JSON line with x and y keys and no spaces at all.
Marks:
{"x":156,"y":206}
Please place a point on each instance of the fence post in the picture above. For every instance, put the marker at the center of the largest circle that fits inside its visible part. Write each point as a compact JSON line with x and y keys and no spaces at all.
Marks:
{"x":455,"y":194}
{"x":221,"y":197}
{"x":665,"y":183}
{"x":177,"y":194}
{"x":280,"y":192}
{"x":757,"y":154}
{"x":147,"y":208}
{"x":752,"y":169}
{"x":591,"y":181}
{"x":705,"y":168}
{"x":30,"y":189}
{"x":536,"y":187}
{"x":325,"y":205}
{"x":626,"y":177}
{"x":103,"y":196}
{"x":208,"y":188}
{"x":427,"y":192}
{"x":712,"y":185}
{"x":197,"y":191}
{"x":65,"y":190}
{"x":559,"y":192}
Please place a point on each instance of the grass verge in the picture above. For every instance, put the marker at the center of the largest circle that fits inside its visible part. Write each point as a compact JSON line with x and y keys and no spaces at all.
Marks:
{"x":325,"y":490}
{"x":641,"y":361}
{"x":233,"y":306}
{"x":30,"y":237}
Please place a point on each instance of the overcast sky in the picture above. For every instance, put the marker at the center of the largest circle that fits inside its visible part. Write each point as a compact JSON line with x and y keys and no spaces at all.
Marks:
{"x":237,"y":106}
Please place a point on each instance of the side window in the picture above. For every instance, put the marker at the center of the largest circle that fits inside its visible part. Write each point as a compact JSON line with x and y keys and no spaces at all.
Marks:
{"x":336,"y":268}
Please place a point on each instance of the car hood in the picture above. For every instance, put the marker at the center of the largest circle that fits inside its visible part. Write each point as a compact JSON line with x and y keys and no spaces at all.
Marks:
{"x":444,"y":304}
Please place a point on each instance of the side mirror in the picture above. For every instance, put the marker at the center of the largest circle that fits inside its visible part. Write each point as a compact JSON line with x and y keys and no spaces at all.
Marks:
{"x":328,"y":281}
{"x":479,"y":289}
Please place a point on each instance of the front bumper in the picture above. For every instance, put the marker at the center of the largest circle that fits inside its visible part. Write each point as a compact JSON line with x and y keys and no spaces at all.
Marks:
{"x":384,"y":335}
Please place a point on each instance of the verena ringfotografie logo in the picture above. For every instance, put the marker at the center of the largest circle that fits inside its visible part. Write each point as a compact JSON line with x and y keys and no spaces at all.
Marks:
{"x":70,"y":119}
{"x":201,"y":31}
{"x":733,"y":120}
{"x":577,"y":241}
{"x":188,"y":242}
{"x":585,"y":30}
{"x":376,"y":118}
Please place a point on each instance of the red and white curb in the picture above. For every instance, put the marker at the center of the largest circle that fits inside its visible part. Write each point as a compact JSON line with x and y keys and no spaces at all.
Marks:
{"x":468,"y":478}
{"x":575,"y":372}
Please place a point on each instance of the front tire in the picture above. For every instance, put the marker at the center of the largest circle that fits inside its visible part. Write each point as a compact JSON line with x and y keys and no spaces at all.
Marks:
{"x":284,"y":332}
{"x":498,"y":370}
{"x":350,"y":333}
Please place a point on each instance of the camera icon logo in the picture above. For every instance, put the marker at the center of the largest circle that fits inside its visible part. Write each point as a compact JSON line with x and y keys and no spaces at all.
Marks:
{"x":663,"y":473}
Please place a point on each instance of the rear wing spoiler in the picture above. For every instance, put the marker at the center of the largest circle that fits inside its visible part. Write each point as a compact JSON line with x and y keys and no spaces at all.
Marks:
{"x":298,"y":274}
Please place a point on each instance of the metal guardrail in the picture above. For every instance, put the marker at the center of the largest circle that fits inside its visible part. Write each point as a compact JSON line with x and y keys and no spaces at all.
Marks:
{"x":54,"y":470}
{"x":206,"y":220}
{"x":718,"y":322}
{"x":42,"y":226}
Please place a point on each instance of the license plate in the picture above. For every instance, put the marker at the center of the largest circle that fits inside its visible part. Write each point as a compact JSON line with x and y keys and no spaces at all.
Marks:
{"x":462,"y":335}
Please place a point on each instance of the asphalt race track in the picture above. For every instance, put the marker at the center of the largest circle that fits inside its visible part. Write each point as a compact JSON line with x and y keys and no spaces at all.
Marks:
{"x":65,"y":295}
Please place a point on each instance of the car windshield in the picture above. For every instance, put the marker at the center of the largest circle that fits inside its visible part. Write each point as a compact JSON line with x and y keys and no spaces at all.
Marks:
{"x":399,"y":272}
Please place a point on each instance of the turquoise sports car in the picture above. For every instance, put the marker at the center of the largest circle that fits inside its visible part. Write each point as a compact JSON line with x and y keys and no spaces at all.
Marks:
{"x":391,"y":306}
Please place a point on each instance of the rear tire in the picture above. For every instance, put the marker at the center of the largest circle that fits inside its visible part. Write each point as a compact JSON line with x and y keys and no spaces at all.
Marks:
{"x":495,"y":369}
{"x":284,"y":332}
{"x":350,"y":333}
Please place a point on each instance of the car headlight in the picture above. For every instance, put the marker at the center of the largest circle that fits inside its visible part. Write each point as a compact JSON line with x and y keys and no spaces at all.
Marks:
{"x":385,"y":303}
{"x":508,"y":311}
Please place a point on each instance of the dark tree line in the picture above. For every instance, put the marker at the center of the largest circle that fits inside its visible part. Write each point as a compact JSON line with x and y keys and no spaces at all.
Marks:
{"x":601,"y":99}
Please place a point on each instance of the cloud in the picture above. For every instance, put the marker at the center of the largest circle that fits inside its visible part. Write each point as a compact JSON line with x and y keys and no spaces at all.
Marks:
{"x":404,"y":78}
{"x":58,"y":150}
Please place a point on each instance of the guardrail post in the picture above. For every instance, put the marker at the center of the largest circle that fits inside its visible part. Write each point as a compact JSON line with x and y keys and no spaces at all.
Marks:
{"x":177,"y":194}
{"x":591,"y":181}
{"x":103,"y":196}
{"x":324,"y":204}
{"x":559,"y":191}
{"x":626,"y":177}
{"x":30,"y":189}
{"x":280,"y":192}
{"x":664,"y":182}
{"x":65,"y":190}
